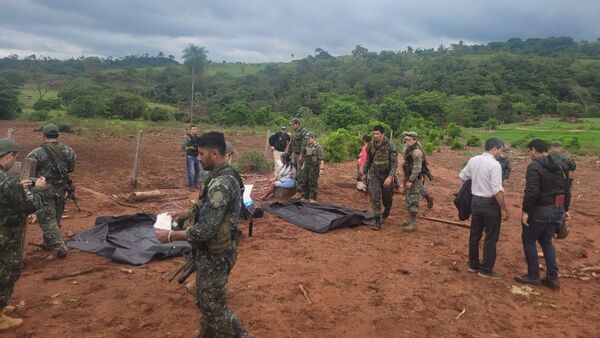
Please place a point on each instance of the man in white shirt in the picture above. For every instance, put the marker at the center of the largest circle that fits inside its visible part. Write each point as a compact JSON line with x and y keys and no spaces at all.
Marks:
{"x":487,"y":206}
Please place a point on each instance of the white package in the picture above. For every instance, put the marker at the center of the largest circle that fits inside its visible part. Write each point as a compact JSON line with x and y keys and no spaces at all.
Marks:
{"x":163,"y":221}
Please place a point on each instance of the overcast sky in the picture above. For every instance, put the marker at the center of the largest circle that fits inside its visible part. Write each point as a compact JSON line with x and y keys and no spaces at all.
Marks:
{"x":260,"y":30}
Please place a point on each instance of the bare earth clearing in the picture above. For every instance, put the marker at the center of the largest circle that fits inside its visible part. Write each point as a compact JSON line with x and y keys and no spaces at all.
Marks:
{"x":361,"y":283}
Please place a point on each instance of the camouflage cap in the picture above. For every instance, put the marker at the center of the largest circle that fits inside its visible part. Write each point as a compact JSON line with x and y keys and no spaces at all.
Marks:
{"x":7,"y":145}
{"x":50,"y":130}
{"x":295,"y":120}
{"x":228,"y":148}
{"x":310,"y":134}
{"x":557,"y":144}
{"x":411,"y":134}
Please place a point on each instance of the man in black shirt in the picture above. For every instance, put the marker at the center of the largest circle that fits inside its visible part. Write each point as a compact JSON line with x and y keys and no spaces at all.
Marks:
{"x":279,"y":142}
{"x":543,"y":210}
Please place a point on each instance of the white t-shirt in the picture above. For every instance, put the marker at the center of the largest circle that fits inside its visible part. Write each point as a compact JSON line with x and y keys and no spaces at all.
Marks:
{"x":486,"y":175}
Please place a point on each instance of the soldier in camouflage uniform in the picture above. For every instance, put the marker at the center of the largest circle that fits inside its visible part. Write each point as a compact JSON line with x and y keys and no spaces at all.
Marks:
{"x":313,"y":164}
{"x":15,"y":204}
{"x":506,"y":167}
{"x":378,"y":174}
{"x":424,"y":191}
{"x":414,"y":159}
{"x":189,"y":146}
{"x":295,"y":150}
{"x":55,"y":161}
{"x":567,"y":165}
{"x":214,"y":234}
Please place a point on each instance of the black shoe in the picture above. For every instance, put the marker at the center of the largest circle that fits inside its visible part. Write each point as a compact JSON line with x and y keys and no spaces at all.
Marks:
{"x":472,"y":269}
{"x":492,"y":275}
{"x":377,"y":224}
{"x":552,"y":284}
{"x":386,"y":213}
{"x":526,"y":279}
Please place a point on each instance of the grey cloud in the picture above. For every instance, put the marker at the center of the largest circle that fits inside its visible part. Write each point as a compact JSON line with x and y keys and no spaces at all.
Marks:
{"x":264,"y":30}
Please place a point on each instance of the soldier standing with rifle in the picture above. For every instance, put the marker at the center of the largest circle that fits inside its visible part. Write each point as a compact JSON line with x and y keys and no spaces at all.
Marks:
{"x":15,"y":204}
{"x":295,"y":150}
{"x":55,"y":161}
{"x":214,"y":235}
{"x":378,"y":174}
{"x":415,"y":168}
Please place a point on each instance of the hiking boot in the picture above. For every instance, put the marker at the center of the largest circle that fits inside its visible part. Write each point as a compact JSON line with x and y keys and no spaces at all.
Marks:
{"x":411,"y":225}
{"x":492,"y":275}
{"x":7,"y":323}
{"x":526,"y":279}
{"x":552,"y":284}
{"x":61,"y":253}
{"x":377,"y":224}
{"x":429,"y":199}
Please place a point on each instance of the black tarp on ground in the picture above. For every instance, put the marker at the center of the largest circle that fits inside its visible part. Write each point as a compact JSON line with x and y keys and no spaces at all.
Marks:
{"x":126,"y":239}
{"x":318,"y":217}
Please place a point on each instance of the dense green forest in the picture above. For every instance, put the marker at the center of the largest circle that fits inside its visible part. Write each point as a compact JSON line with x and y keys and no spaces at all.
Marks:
{"x":426,"y":89}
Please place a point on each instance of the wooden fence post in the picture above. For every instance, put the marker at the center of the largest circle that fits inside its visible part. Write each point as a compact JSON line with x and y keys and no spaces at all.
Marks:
{"x":267,"y":143}
{"x":136,"y":161}
{"x":11,"y":133}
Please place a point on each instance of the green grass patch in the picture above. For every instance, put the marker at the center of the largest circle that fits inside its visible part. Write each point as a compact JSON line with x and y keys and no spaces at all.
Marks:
{"x":586,"y":131}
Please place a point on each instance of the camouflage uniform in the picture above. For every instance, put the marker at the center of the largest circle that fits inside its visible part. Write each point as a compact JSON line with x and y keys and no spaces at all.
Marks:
{"x":505,"y":165}
{"x":414,"y":157}
{"x":49,"y":217}
{"x":214,"y":235}
{"x":15,"y":205}
{"x":313,"y":155}
{"x":295,"y":149}
{"x":382,"y":162}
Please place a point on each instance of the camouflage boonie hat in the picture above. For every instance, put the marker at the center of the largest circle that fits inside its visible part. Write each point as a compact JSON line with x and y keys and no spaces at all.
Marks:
{"x":295,"y":120}
{"x":310,"y":134}
{"x":7,"y":145}
{"x":50,"y":130}
{"x":228,"y":148}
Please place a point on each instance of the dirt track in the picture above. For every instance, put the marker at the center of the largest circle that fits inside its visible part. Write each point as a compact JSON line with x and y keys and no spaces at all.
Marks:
{"x":361,"y":283}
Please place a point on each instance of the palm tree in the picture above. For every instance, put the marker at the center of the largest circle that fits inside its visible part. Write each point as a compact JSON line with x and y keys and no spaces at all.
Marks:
{"x":195,"y":60}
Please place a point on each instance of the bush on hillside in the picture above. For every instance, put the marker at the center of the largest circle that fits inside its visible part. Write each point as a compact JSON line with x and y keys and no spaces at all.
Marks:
{"x":47,"y":104}
{"x":159,"y":114}
{"x":456,"y":145}
{"x":127,"y":106}
{"x":255,"y":162}
{"x":474,"y":141}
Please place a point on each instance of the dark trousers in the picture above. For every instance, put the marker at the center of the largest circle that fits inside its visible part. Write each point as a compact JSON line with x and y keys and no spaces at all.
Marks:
{"x":193,"y":170}
{"x":542,"y":227}
{"x":485,"y":215}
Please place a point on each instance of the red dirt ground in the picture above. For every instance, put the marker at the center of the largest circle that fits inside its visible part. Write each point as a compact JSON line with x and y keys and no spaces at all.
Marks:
{"x":361,"y":283}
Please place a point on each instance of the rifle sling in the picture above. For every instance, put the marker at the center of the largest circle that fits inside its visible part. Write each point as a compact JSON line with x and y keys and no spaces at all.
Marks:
{"x":56,"y":158}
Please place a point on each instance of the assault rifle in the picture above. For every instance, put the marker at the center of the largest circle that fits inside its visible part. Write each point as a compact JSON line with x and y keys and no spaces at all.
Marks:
{"x":71,"y":193}
{"x":186,"y":269}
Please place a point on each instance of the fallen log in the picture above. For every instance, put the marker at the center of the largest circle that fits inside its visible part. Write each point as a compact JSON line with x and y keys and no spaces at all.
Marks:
{"x":75,"y":273}
{"x":445,"y":221}
{"x":143,"y":195}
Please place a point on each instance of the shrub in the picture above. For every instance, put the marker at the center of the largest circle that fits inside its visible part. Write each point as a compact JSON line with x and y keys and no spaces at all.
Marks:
{"x":491,"y":123}
{"x":254,"y":161}
{"x":474,"y":141}
{"x":88,"y":106}
{"x":47,"y":104}
{"x":128,"y":106}
{"x":429,"y":148}
{"x":453,"y":131}
{"x":39,"y":115}
{"x":182,"y":116}
{"x":340,"y":145}
{"x":237,"y":113}
{"x":344,"y":111}
{"x":456,"y":145}
{"x":159,"y":114}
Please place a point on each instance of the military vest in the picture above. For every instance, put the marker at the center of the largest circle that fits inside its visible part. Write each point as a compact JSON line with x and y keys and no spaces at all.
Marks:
{"x":228,"y":229}
{"x":296,"y":140}
{"x":409,"y":160}
{"x":380,"y":157}
{"x":311,"y":154}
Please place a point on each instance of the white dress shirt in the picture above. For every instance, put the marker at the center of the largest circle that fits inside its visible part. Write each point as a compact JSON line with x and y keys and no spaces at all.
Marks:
{"x":486,"y":175}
